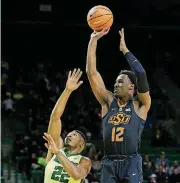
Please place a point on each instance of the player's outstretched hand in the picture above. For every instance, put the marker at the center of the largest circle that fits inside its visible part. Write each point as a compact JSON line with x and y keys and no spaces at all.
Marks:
{"x":98,"y":35}
{"x":50,"y":144}
{"x":73,"y":80}
{"x":122,"y":45}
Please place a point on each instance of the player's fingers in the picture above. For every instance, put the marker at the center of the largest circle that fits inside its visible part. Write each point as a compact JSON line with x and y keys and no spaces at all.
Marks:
{"x":69,"y":74}
{"x":50,"y":139}
{"x":45,"y":138}
{"x":51,"y":143}
{"x":120,"y":33}
{"x":100,"y":33}
{"x":73,"y":74}
{"x":77,"y":73}
{"x":46,"y":145}
{"x":122,"y":30}
{"x":46,"y":134}
{"x":106,"y":31}
{"x":80,"y":83}
{"x":103,"y":32}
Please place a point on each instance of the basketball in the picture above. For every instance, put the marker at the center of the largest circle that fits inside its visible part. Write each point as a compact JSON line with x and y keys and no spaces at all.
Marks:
{"x":100,"y":17}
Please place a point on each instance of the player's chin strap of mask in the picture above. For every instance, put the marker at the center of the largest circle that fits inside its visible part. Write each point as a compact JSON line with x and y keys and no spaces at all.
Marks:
{"x":137,"y":68}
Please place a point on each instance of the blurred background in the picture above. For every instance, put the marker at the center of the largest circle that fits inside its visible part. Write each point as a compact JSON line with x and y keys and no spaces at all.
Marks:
{"x":43,"y":40}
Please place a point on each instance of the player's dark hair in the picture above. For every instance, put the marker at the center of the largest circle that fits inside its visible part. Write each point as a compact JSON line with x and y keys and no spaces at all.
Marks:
{"x":82,"y":135}
{"x":131,"y":76}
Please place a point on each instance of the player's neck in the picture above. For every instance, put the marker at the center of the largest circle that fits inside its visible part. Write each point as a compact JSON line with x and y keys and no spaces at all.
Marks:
{"x":71,"y":150}
{"x":124,"y":100}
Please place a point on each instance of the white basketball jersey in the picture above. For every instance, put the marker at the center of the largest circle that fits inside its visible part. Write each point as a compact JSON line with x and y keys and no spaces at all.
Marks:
{"x":55,"y":173}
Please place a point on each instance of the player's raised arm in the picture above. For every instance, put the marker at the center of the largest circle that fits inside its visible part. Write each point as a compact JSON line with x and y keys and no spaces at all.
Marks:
{"x":95,"y":79}
{"x":72,"y":84}
{"x":142,"y":82}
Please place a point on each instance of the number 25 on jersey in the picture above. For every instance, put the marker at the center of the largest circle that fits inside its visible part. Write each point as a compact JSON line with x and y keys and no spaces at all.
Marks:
{"x":117,"y":134}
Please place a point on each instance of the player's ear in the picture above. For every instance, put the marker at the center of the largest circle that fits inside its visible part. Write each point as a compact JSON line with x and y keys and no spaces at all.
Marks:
{"x":131,"y":86}
{"x":82,"y":144}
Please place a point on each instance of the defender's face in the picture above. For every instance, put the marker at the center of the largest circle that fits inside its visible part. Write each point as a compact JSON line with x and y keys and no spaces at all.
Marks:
{"x":122,"y":86}
{"x":73,"y":139}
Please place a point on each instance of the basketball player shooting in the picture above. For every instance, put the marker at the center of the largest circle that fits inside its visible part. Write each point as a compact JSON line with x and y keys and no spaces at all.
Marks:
{"x":64,"y":161}
{"x":123,"y":115}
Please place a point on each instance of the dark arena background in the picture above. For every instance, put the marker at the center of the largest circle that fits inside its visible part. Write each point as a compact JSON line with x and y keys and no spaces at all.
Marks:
{"x":43,"y":40}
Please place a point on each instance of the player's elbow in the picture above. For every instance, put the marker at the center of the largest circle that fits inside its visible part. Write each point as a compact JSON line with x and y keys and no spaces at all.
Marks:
{"x":89,"y":71}
{"x":77,"y":176}
{"x":145,"y":100}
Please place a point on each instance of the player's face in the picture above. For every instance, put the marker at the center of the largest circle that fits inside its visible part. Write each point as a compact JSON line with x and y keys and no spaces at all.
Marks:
{"x":122,"y":86}
{"x":73,"y":139}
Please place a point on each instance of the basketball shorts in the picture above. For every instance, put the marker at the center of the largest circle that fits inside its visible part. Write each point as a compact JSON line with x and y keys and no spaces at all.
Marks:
{"x":121,"y":169}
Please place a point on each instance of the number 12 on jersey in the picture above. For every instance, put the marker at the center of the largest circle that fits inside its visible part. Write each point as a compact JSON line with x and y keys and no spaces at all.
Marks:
{"x":117,"y":134}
